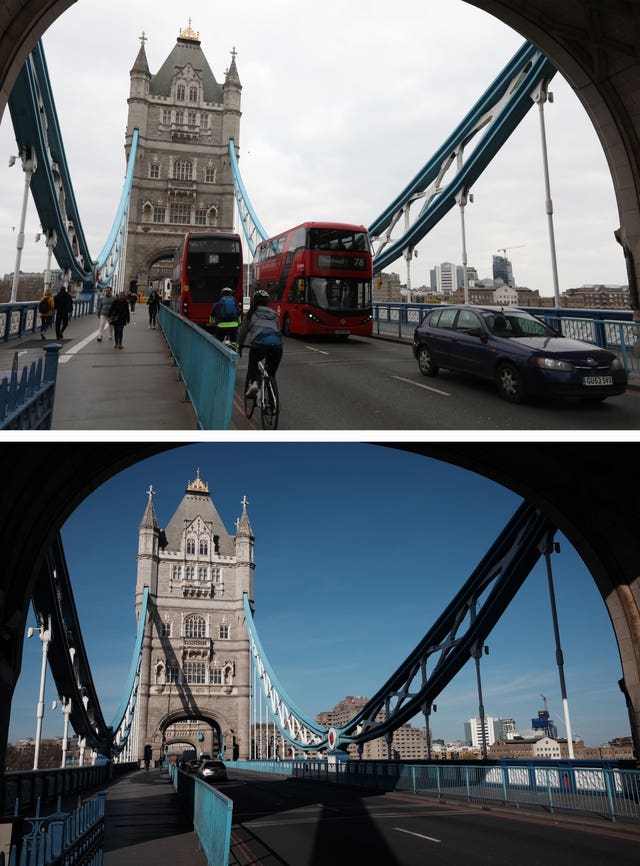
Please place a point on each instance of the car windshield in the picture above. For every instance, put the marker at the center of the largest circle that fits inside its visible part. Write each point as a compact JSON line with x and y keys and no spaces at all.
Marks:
{"x":506,"y":323}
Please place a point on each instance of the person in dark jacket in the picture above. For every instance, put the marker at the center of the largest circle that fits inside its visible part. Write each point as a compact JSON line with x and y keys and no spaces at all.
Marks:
{"x":63,"y":303}
{"x":119,"y":317}
{"x":260,"y":330}
{"x":153,"y":304}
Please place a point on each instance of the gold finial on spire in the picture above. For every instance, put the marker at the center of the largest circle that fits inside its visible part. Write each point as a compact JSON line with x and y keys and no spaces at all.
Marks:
{"x":189,"y":33}
{"x":197,"y":486}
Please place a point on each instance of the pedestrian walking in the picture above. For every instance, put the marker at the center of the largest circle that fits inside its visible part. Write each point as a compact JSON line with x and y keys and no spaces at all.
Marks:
{"x":63,"y":303}
{"x":45,"y":309}
{"x":132,"y":297}
{"x":119,"y":318}
{"x":154,"y":305}
{"x":104,"y":311}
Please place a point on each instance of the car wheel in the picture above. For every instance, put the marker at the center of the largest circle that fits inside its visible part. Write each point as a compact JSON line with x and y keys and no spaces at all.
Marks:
{"x":426,"y":362}
{"x":509,"y":382}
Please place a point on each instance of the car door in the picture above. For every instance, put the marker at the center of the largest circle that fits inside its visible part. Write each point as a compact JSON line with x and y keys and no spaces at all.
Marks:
{"x":441,"y":334}
{"x":469,"y":345}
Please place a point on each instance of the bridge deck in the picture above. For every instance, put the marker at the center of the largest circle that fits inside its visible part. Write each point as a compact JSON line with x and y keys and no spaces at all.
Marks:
{"x":101,"y":388}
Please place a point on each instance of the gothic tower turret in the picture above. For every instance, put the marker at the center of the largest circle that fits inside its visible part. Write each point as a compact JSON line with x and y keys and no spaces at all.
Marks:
{"x":244,"y":553}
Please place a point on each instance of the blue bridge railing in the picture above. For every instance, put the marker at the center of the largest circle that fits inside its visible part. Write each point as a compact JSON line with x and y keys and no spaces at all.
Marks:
{"x":212,"y":815}
{"x":207,"y":368}
{"x":21,"y":319}
{"x":609,"y":329}
{"x":27,"y":397}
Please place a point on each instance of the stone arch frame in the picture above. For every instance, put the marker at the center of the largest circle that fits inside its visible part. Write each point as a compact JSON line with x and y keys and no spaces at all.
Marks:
{"x":589,"y":490}
{"x":213,"y":719}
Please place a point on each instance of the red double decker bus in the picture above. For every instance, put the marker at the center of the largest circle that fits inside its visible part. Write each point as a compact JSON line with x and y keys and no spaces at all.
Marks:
{"x":203,"y":265}
{"x":318,"y":276}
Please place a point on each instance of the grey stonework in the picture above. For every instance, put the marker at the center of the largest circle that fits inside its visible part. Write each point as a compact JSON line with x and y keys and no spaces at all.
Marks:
{"x":195,"y":658}
{"x":182,"y":180}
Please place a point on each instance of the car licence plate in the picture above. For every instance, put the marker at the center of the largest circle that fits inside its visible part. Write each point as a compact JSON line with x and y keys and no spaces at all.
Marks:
{"x":342,"y":333}
{"x":597,"y":380}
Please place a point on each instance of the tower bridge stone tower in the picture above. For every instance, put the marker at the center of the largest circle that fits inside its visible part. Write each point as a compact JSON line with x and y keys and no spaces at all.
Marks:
{"x":195,"y":658}
{"x":182,"y":180}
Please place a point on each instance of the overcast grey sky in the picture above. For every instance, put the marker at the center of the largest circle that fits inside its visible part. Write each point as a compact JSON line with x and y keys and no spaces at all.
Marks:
{"x":340,"y":110}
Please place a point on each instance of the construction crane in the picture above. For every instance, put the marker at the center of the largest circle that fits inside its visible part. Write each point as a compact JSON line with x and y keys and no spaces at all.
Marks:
{"x":504,"y":250}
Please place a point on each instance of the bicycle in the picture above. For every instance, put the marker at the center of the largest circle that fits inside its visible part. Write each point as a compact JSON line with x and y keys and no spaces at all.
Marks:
{"x":266,"y":399}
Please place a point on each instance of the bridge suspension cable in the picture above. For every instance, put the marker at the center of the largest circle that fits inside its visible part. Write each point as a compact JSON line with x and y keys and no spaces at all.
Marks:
{"x":453,"y":639}
{"x":496,"y":115}
{"x":251,"y":225}
{"x":39,"y":139}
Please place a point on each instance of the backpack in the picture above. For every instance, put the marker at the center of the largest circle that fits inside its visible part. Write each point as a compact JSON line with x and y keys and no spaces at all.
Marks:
{"x":44,"y":307}
{"x":227,"y":309}
{"x":266,"y":338}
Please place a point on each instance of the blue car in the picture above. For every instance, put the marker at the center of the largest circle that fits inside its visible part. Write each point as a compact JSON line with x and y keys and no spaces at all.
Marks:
{"x":522,"y":354}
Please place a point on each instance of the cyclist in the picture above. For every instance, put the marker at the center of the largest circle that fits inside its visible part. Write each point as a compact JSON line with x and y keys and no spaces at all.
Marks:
{"x":225,"y":315}
{"x":261,"y":332}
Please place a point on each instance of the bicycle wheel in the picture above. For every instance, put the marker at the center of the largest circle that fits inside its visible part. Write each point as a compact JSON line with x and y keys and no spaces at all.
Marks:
{"x":249,"y":402}
{"x":271,"y":406}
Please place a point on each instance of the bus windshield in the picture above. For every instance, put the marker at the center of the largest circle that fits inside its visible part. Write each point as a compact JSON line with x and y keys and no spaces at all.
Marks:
{"x":339,"y":294}
{"x":212,"y":264}
{"x":339,"y":240}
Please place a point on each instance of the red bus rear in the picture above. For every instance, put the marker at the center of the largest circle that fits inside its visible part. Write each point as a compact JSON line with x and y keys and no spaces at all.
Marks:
{"x":318,"y":276}
{"x":203,"y":265}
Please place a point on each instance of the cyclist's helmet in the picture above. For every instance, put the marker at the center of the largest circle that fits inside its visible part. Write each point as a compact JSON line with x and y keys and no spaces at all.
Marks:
{"x":261,"y":298}
{"x":226,"y":291}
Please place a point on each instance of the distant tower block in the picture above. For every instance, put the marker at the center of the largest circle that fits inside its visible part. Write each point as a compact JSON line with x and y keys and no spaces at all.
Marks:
{"x":195,"y":671}
{"x":182,"y":179}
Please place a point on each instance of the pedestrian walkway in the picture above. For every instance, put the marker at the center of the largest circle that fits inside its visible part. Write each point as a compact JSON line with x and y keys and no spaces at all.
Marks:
{"x":101,"y":388}
{"x":145,"y":823}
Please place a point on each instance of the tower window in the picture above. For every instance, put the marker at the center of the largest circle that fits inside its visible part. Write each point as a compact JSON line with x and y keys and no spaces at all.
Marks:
{"x":216,"y":677}
{"x":172,"y":673}
{"x":189,"y":572}
{"x":210,"y":175}
{"x":223,"y":632}
{"x":191,"y":546}
{"x":193,"y":94}
{"x":181,"y":92}
{"x":177,"y":572}
{"x":159,"y":214}
{"x":202,"y":572}
{"x":204,"y":121}
{"x":154,"y":170}
{"x":215,"y":574}
{"x":166,"y":117}
{"x":194,"y":626}
{"x":165,"y":629}
{"x":180,"y":213}
{"x":191,"y":118}
{"x":182,"y":170}
{"x":204,"y":547}
{"x":201,"y":217}
{"x":194,"y":672}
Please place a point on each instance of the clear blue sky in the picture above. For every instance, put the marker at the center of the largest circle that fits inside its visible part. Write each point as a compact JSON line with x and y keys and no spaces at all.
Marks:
{"x":358,"y":550}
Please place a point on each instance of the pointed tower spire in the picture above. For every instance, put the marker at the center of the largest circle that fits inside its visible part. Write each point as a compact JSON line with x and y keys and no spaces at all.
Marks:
{"x":232,"y":79}
{"x":244,"y":526}
{"x":149,"y":519}
{"x":141,"y":65}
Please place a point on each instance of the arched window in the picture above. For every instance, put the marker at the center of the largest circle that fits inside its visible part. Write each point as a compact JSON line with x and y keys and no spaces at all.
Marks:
{"x":189,"y":572}
{"x":204,"y":547}
{"x":181,"y":91}
{"x":202,"y":572}
{"x":177,"y":572}
{"x":182,"y":169}
{"x":191,"y":546}
{"x":194,"y":626}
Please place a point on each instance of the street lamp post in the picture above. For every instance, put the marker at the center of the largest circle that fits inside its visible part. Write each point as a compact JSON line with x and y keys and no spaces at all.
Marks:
{"x":29,"y":165}
{"x":541,"y":96}
{"x":45,"y":637}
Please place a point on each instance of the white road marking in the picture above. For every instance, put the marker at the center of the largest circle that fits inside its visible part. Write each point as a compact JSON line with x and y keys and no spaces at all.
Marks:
{"x":64,"y":359}
{"x":319,"y":351}
{"x":419,"y":835}
{"x":420,"y":385}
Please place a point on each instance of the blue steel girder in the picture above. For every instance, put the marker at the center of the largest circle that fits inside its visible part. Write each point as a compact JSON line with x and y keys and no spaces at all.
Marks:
{"x":109,"y":258}
{"x":251,"y":225}
{"x":496,"y":115}
{"x":67,"y":656}
{"x":121,"y":725}
{"x":457,"y":635}
{"x":36,"y":127}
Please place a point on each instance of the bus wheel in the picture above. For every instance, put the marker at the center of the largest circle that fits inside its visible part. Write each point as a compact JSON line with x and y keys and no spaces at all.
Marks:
{"x":286,"y":326}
